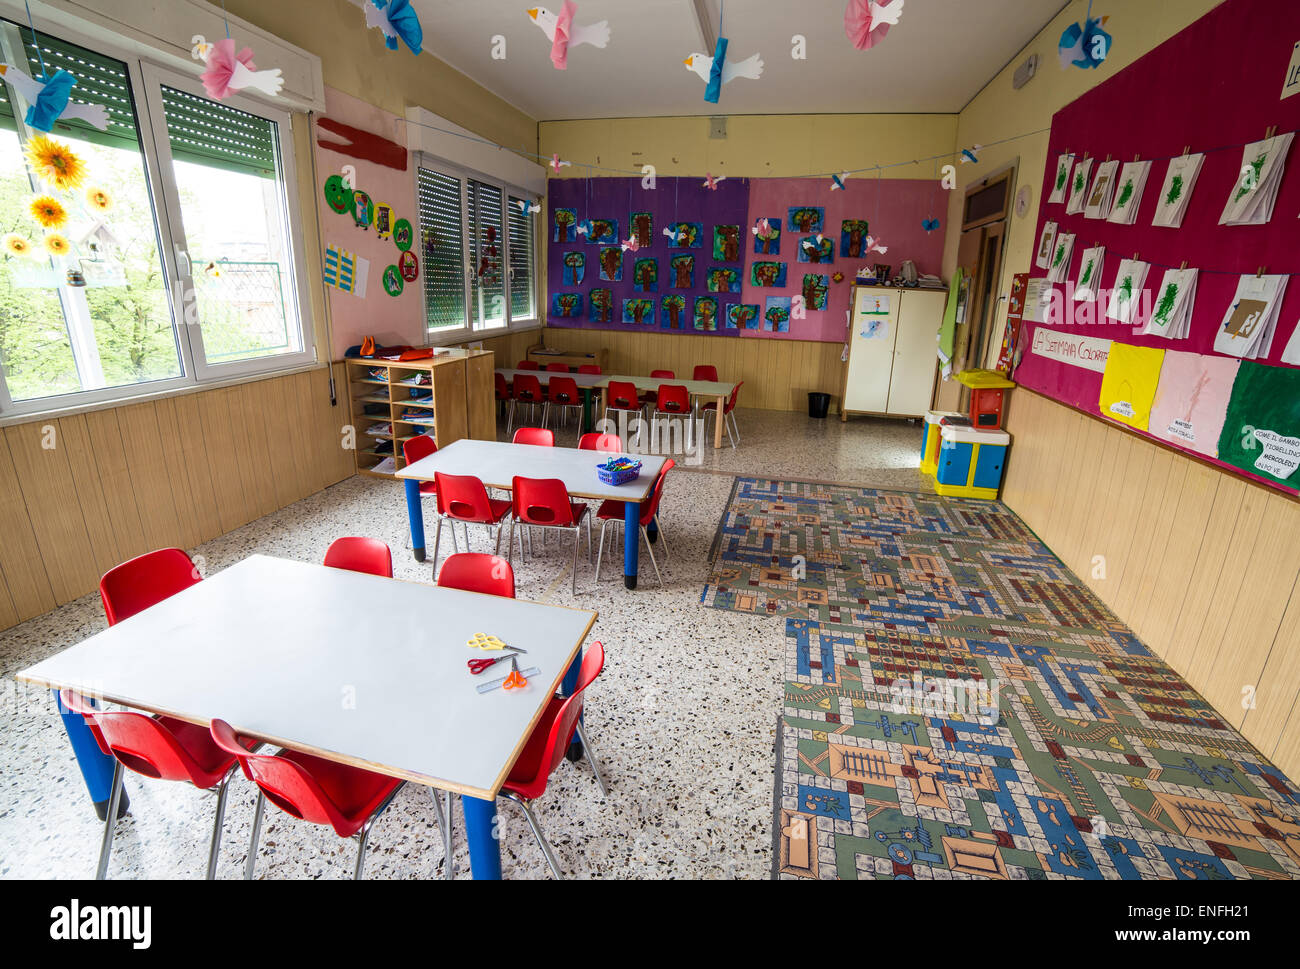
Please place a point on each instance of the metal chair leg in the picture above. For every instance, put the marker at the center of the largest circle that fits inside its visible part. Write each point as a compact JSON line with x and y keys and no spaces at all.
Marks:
{"x":214,"y":850}
{"x":361,"y":851}
{"x":546,"y":412}
{"x":257,"y":830}
{"x":577,"y":541}
{"x":510,"y":420}
{"x":591,"y":759}
{"x":600,"y":552}
{"x":437,"y":540}
{"x":449,"y":865}
{"x":510,"y":545}
{"x":651,"y":551}
{"x":537,"y":833}
{"x":114,"y":801}
{"x":663,"y":537}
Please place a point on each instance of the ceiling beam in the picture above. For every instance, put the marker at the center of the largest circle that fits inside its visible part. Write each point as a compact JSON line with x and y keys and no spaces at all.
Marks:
{"x":704,"y":22}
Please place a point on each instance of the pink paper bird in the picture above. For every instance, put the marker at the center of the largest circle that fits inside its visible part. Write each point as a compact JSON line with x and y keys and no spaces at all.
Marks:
{"x":563,"y":33}
{"x":711,"y":181}
{"x":557,"y":164}
{"x":631,"y":245}
{"x":873,"y":245}
{"x":764,"y":225}
{"x":866,"y":22}
{"x":229,"y":72}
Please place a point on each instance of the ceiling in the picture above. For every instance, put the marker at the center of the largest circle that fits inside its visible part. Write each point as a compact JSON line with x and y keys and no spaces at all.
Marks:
{"x":937,"y":57}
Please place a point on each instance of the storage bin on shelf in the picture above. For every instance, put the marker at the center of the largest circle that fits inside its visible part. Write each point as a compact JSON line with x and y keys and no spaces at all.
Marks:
{"x":930,"y":439}
{"x":971,"y":461}
{"x":988,"y":403}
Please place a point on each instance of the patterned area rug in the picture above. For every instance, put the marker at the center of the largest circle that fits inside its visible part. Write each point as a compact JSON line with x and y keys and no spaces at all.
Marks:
{"x":958,"y":705}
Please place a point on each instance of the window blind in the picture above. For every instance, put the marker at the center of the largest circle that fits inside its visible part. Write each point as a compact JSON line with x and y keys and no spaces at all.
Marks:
{"x":488,"y":249}
{"x":522,"y":294}
{"x":442,"y":249}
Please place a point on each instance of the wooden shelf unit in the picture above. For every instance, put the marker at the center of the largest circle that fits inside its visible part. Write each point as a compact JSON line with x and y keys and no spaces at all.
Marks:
{"x":461,"y":402}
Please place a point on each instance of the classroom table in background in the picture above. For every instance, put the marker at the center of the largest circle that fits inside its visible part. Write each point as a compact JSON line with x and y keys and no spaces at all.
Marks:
{"x":586,"y":383}
{"x":355,"y":668}
{"x":496,"y":464}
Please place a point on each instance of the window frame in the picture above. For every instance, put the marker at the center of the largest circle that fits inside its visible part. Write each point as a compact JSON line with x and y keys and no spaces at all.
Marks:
{"x":473,"y":327}
{"x":145,"y":77}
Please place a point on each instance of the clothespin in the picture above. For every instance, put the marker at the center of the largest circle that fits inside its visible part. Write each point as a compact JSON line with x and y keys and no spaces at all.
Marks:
{"x":1272,"y":130}
{"x":1186,"y":150}
{"x":1183,"y":266}
{"x":1260,"y":274}
{"x":1136,"y":159}
{"x":1107,"y":157}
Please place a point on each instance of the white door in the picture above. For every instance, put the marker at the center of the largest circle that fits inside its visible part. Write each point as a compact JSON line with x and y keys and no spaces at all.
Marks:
{"x":915,"y":352}
{"x":873,"y":327}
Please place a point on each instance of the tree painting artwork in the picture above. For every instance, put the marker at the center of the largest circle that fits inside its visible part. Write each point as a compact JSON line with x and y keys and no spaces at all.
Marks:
{"x":743,"y":316}
{"x":1125,"y":194}
{"x":807,"y":218}
{"x":672,"y":311}
{"x":726,"y":243}
{"x":602,"y":232}
{"x":706,"y":313}
{"x":776,"y":316}
{"x":645,"y":275}
{"x":768,"y":274}
{"x":767,"y":237}
{"x":642,"y":226}
{"x":566,"y":225}
{"x":566,"y":306}
{"x":810,"y":250}
{"x":1250,"y":176}
{"x":683,"y":269}
{"x":600,"y":306}
{"x":1062,"y":172}
{"x":575,"y":268}
{"x":815,"y":291}
{"x":724,"y":280}
{"x":1175,"y":191}
{"x":686,"y":235}
{"x":853,"y":238}
{"x":639,"y":311}
{"x":611,"y":264}
{"x":1165,"y":306}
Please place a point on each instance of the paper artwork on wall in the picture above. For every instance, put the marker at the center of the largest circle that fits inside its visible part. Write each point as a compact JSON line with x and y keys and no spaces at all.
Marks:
{"x":1128,"y":192}
{"x":767,"y":274}
{"x":639,"y":311}
{"x":1102,"y":193}
{"x":767,"y":236}
{"x":362,"y":145}
{"x":1248,"y":326}
{"x":776,"y":314}
{"x":1090,"y":268}
{"x":566,"y":306}
{"x":600,"y":306}
{"x":565,"y":221}
{"x":817,"y":249}
{"x":726,"y":243}
{"x":1171,"y":317}
{"x":853,"y":238}
{"x":723,"y":279}
{"x":685,"y":235}
{"x":1250,"y":202}
{"x":682,"y":270}
{"x":1261,"y":432}
{"x":611,"y":264}
{"x":672,"y":311}
{"x":602,"y":232}
{"x":641,"y":225}
{"x":1128,"y":384}
{"x":1192,"y":400}
{"x":1046,"y":246}
{"x":706,"y":313}
{"x":575,"y":268}
{"x":645,"y":275}
{"x":346,"y":271}
{"x":1291,"y":354}
{"x":1126,"y":295}
{"x":807,"y":218}
{"x":1079,"y":186}
{"x":815,"y":290}
{"x":1062,"y":251}
{"x":1176,"y":190}
{"x":743,"y":316}
{"x":1061,"y":181}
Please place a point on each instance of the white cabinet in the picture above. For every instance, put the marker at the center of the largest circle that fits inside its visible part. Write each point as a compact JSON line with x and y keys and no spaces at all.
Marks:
{"x":893,"y":357}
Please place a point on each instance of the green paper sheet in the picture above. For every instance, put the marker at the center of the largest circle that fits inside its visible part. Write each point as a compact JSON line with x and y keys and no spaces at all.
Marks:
{"x":1261,"y":433}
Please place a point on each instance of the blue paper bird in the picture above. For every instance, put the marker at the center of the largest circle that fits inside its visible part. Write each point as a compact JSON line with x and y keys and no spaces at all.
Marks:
{"x":49,"y":99}
{"x":716,"y":72}
{"x":395,"y":18}
{"x":1084,"y":45}
{"x":929,"y":225}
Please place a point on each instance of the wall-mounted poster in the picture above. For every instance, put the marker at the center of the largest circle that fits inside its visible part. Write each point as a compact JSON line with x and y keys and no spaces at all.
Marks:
{"x":726,"y":243}
{"x":743,"y":316}
{"x":724,"y":279}
{"x":639,"y":311}
{"x":674,"y":312}
{"x":768,"y":274}
{"x":706,"y":313}
{"x":645,"y":275}
{"x":767,"y":236}
{"x":776,"y":314}
{"x":682,"y":272}
{"x":1261,"y":432}
{"x":807,"y":218}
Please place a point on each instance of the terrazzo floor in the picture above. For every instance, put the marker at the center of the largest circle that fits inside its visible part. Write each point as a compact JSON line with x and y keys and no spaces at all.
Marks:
{"x":683,"y":717}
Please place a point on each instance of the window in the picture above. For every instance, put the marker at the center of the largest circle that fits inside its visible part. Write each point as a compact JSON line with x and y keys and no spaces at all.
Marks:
{"x":479,"y":251}
{"x":172,"y":262}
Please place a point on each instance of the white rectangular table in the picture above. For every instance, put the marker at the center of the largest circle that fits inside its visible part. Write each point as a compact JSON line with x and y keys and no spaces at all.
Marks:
{"x":359,"y":669}
{"x":496,"y":464}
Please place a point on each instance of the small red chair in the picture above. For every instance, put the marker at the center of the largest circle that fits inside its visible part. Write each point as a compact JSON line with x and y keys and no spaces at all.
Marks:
{"x":562,"y":392}
{"x":414,"y":449}
{"x":315,"y":790}
{"x":557,"y":368}
{"x":621,"y":395}
{"x":527,"y":390}
{"x":528,"y":365}
{"x":704,"y":371}
{"x":368,"y":555}
{"x":606,"y":443}
{"x":547,"y":745}
{"x":728,"y":417}
{"x":462,"y":498}
{"x":538,"y":436}
{"x":162,"y":748}
{"x":590,"y":368}
{"x":139,"y":583}
{"x":545,"y":503}
{"x":612,"y":511}
{"x":673,"y":400}
{"x":478,"y":572}
{"x":649,"y":396}
{"x":502,"y":389}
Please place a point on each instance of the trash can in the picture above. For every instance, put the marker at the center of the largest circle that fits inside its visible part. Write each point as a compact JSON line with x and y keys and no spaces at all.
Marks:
{"x":818,"y":405}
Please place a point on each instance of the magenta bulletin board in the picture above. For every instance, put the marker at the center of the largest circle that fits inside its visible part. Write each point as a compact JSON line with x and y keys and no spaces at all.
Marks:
{"x":1177,"y":97}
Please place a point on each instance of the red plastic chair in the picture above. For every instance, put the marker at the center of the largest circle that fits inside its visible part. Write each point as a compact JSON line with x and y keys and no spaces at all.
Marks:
{"x":704,"y":371}
{"x":478,"y":572}
{"x":416,"y":449}
{"x":462,"y":498}
{"x":545,"y":503}
{"x":547,"y":745}
{"x":590,"y":368}
{"x":649,"y":396}
{"x":562,"y":392}
{"x":606,"y":443}
{"x":612,"y":511}
{"x":162,"y":748}
{"x":368,"y":555}
{"x":528,"y":365}
{"x":501,"y":388}
{"x":729,"y":418}
{"x":673,"y":400}
{"x":139,"y":583}
{"x":538,"y":436}
{"x":557,"y":368}
{"x":527,"y":390}
{"x":621,"y":395}
{"x":315,"y":790}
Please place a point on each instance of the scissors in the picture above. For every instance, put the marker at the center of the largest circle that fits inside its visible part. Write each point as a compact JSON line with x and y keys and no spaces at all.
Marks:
{"x":477,"y":666}
{"x":519,"y":680}
{"x":516,"y":680}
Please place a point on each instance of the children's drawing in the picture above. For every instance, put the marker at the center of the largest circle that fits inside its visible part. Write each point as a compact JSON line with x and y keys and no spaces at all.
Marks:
{"x":815,"y":290}
{"x":685,"y":235}
{"x":575,"y":268}
{"x":672,"y":311}
{"x":639,"y":311}
{"x":611,"y":264}
{"x":767,"y":237}
{"x":776,"y":317}
{"x":600,"y":306}
{"x":807,"y":218}
{"x":726,"y":243}
{"x":683,"y":271}
{"x":853,"y":238}
{"x":567,"y":306}
{"x":770,"y":274}
{"x":818,"y":250}
{"x":602,"y":231}
{"x":743,"y":316}
{"x":723,"y":279}
{"x":566,"y":224}
{"x":706,"y":313}
{"x":645,"y":275}
{"x":642,"y":227}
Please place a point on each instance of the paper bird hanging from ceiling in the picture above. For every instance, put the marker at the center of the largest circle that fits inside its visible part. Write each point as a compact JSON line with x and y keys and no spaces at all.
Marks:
{"x":632,"y":244}
{"x":557,"y":164}
{"x":229,"y":72}
{"x":970,"y":154}
{"x":837,"y":181}
{"x":873,"y":245}
{"x":563,"y":33}
{"x":716,"y":72}
{"x":49,"y":102}
{"x":711,"y":181}
{"x":1084,"y":45}
{"x":866,"y":22}
{"x":929,"y":225}
{"x":395,"y":19}
{"x":527,"y":207}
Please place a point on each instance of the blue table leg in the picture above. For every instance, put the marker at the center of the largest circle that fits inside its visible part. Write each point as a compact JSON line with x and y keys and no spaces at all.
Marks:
{"x":96,"y":766}
{"x":631,"y":541}
{"x":483,"y":837}
{"x":570,"y":685}
{"x":415,"y":512}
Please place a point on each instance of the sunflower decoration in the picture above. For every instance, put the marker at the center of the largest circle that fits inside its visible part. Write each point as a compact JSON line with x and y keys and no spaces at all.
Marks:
{"x":99,"y":200}
{"x":55,"y":163}
{"x":18,"y":245}
{"x":57,"y":244}
{"x":48,"y":211}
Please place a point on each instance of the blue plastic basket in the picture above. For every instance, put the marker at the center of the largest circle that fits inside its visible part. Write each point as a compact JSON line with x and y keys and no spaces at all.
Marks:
{"x":621,"y":476}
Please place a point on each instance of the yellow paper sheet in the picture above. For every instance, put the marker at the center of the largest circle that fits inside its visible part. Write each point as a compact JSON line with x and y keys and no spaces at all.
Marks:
{"x":1129,"y":384}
